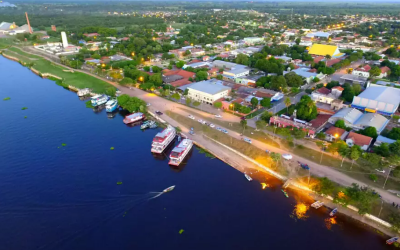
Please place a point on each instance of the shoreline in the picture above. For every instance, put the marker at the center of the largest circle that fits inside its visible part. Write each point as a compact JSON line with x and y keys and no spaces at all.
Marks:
{"x":371,"y":220}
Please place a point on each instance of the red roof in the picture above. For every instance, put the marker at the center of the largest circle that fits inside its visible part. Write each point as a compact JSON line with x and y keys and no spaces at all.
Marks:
{"x":91,"y":34}
{"x":318,"y":58}
{"x":180,"y":82}
{"x":125,"y":39}
{"x":194,"y":61}
{"x":335,"y":131}
{"x":313,"y":70}
{"x":359,"y":140}
{"x":320,"y":120}
{"x":262,"y":94}
{"x":181,"y":72}
{"x":366,"y":68}
{"x":332,"y":62}
{"x":213,"y":70}
{"x":338,"y":88}
{"x":324,"y":91}
{"x":385,"y":69}
{"x":337,"y":39}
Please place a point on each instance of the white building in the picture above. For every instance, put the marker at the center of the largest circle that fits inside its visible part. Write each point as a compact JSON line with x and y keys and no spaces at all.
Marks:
{"x":363,"y":71}
{"x":208,"y":91}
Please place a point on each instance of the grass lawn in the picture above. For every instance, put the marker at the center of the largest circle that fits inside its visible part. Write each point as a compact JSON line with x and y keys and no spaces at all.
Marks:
{"x":239,"y":145}
{"x":235,"y":126}
{"x":6,"y":42}
{"x":76,"y":79}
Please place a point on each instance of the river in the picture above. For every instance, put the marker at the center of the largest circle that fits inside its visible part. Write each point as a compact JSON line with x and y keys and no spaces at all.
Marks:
{"x":66,"y":197}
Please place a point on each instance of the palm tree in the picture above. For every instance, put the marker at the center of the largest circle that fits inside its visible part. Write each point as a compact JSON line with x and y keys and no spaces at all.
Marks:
{"x":287,"y":104}
{"x":327,"y":56}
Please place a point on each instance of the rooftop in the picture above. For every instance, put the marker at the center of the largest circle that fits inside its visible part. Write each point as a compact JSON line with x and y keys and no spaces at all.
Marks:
{"x":323,"y":50}
{"x":333,"y":131}
{"x":211,"y":86}
{"x":358,"y":139}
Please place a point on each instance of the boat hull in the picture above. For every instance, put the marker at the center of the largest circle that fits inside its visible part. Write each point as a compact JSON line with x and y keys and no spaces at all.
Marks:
{"x":182,"y":158}
{"x":112,"y":108}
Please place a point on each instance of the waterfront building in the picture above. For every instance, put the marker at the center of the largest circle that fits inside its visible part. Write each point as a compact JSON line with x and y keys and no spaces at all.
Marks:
{"x":208,"y":91}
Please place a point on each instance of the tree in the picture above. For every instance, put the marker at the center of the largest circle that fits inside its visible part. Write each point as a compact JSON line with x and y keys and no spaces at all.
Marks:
{"x":243,"y":123}
{"x":266,"y":116}
{"x":176,"y":96}
{"x":356,"y":89}
{"x":111,"y":91}
{"x":180,"y":64}
{"x":266,"y":102}
{"x":373,"y":177}
{"x":186,"y":92}
{"x":343,"y":151}
{"x":278,"y":83}
{"x":374,"y":71}
{"x":156,"y":78}
{"x":156,"y":69}
{"x":201,"y":76}
{"x":369,"y":131}
{"x":186,"y":53}
{"x":275,"y":157}
{"x":293,"y":80}
{"x":196,"y":103}
{"x":188,"y":101}
{"x":218,"y":105}
{"x":324,"y":186}
{"x":260,"y":124}
{"x":327,"y":56}
{"x":220,"y":77}
{"x":306,"y":109}
{"x":394,"y":134}
{"x":316,"y":79}
{"x":321,"y":135}
{"x":146,"y":68}
{"x":340,"y":124}
{"x":254,"y":102}
{"x":355,"y":153}
{"x":242,"y":59}
{"x":126,"y":81}
{"x":132,"y":104}
{"x":287,"y":102}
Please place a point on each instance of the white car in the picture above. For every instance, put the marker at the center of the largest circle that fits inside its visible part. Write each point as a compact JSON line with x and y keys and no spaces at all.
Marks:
{"x":380,"y":171}
{"x":247,"y":140}
{"x":287,"y":156}
{"x":212,"y":125}
{"x":191,"y":117}
{"x":218,"y":116}
{"x":200,"y":120}
{"x":148,"y":104}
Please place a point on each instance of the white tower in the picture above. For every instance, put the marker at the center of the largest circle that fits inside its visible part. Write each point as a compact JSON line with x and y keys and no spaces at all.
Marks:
{"x":64,"y":39}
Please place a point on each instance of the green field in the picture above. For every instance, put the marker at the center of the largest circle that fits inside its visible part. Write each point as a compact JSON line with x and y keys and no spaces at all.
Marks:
{"x":76,"y":79}
{"x":5,"y":42}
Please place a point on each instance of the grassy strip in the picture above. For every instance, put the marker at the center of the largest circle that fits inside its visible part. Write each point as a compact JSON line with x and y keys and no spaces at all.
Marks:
{"x":235,"y":126}
{"x":239,"y":145}
{"x":76,"y":79}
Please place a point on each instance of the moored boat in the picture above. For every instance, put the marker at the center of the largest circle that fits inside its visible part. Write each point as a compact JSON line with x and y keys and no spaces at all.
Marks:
{"x":169,"y":189}
{"x":392,"y":240}
{"x":83,"y":92}
{"x":179,"y":153}
{"x":163,"y":139}
{"x":98,"y":100}
{"x":111,"y":105}
{"x":333,"y":212}
{"x":317,"y":204}
{"x":248,"y":177}
{"x":153,"y":125}
{"x":285,"y":193}
{"x":135,"y":117}
{"x":147,"y":124}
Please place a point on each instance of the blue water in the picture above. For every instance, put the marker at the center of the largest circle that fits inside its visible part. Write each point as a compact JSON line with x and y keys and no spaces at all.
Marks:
{"x":66,"y":197}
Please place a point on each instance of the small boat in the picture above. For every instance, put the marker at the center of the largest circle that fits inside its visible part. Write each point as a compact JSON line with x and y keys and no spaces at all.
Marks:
{"x":169,"y":189}
{"x":153,"y":124}
{"x":111,"y":105}
{"x":145,"y":125}
{"x":285,"y":193}
{"x":392,"y":240}
{"x":83,"y":92}
{"x":179,"y":153}
{"x":99,"y":100}
{"x":317,"y":204}
{"x":248,"y":177}
{"x":135,"y":117}
{"x":334,"y":211}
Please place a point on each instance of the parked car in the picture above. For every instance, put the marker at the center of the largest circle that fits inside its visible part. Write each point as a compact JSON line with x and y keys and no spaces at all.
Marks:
{"x":218,"y":116}
{"x":212,"y":125}
{"x":224,"y":131}
{"x":303,"y":165}
{"x":287,"y":156}
{"x":247,"y":140}
{"x":380,"y":171}
{"x":267,"y":151}
{"x":219,"y":129}
{"x":200,"y":120}
{"x":191,"y":117}
{"x":159,"y":112}
{"x":148,"y":104}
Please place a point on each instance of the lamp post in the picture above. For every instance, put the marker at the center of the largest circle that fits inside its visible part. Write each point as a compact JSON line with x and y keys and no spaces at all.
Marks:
{"x":384,"y":184}
{"x":381,"y":208}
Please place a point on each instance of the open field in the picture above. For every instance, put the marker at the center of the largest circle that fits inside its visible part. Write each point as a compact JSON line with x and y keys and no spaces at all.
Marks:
{"x":76,"y":79}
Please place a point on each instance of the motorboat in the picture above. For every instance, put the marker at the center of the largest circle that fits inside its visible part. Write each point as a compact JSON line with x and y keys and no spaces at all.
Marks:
{"x":169,"y":189}
{"x":248,"y":177}
{"x":333,"y":212}
{"x":135,"y":117}
{"x":83,"y":92}
{"x":163,"y":139}
{"x":111,"y":105}
{"x":98,"y":100}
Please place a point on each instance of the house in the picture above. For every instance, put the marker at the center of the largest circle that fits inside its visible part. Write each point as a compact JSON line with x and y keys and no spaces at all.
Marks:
{"x":335,"y":133}
{"x":248,"y":80}
{"x":91,"y":34}
{"x":337,"y":91}
{"x":285,"y":121}
{"x":322,"y":95}
{"x":385,"y":71}
{"x":208,"y":91}
{"x":323,"y":50}
{"x":356,"y":139}
{"x":253,"y":40}
{"x":231,"y":70}
{"x":7,"y":27}
{"x":320,"y":121}
{"x":305,"y":72}
{"x":177,"y":78}
{"x":330,"y":63}
{"x":362,"y":71}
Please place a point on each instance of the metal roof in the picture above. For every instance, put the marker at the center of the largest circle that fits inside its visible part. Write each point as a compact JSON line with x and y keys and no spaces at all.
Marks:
{"x":372,"y":120}
{"x":351,"y":115}
{"x":381,"y":98}
{"x":211,"y":87}
{"x":323,"y":50}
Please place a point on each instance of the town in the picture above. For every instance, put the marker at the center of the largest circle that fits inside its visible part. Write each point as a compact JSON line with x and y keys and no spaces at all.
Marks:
{"x":324,"y":89}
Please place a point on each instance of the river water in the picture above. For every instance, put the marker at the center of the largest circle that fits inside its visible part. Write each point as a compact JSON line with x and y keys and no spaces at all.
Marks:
{"x":67,"y":197}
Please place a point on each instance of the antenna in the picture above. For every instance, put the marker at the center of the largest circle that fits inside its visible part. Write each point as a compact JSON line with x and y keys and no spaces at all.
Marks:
{"x":29,"y":25}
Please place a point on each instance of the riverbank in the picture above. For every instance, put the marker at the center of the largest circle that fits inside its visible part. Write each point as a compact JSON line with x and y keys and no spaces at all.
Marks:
{"x":227,"y":156}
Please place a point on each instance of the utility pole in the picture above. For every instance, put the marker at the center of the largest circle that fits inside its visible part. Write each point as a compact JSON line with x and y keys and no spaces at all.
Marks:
{"x":380,"y":209}
{"x":390,"y":169}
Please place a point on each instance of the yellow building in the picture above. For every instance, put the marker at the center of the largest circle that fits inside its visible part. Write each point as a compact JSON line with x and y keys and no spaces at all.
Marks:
{"x":323,"y":50}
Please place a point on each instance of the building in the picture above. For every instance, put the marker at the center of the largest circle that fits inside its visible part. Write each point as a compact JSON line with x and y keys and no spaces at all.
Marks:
{"x":323,"y":95}
{"x":353,"y":79}
{"x":356,"y":139}
{"x":177,"y":78}
{"x":285,"y":121}
{"x":7,"y":27}
{"x":357,"y":120}
{"x":381,"y":139}
{"x":208,"y":91}
{"x":385,"y":71}
{"x":319,"y":34}
{"x":231,"y":70}
{"x":248,"y":80}
{"x":362,"y":71}
{"x":378,"y":99}
{"x":306,"y":73}
{"x":335,"y":133}
{"x":253,"y":40}
{"x":323,"y":50}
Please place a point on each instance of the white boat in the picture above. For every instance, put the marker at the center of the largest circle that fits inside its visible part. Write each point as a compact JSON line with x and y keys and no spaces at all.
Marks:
{"x":99,"y":100}
{"x":317,"y":204}
{"x":287,"y":156}
{"x":248,"y":177}
{"x":135,"y":117}
{"x":163,"y":139}
{"x":83,"y":92}
{"x":334,"y":211}
{"x":111,"y":105}
{"x":179,"y":153}
{"x":169,"y":189}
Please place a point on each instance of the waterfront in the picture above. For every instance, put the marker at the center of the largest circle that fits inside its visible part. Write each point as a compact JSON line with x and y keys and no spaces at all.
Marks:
{"x":66,"y":197}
